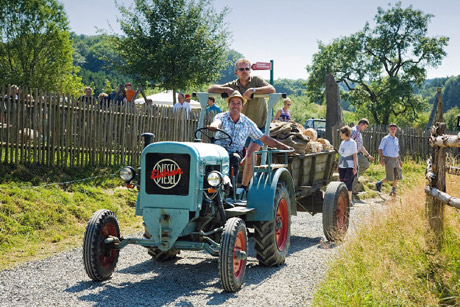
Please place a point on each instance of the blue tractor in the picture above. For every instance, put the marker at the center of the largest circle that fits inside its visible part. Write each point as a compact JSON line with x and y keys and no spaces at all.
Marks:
{"x":188,"y":201}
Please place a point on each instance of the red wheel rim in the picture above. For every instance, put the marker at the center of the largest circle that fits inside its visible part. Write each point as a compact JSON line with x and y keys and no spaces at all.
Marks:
{"x":282,"y":224}
{"x":341,"y":213}
{"x":107,"y":254}
{"x":240,"y":245}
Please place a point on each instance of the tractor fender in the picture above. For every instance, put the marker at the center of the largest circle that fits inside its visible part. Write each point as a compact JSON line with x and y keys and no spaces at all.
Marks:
{"x":261,"y":194}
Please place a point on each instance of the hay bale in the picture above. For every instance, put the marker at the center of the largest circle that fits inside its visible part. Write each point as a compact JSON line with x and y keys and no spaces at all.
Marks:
{"x":326,"y":144}
{"x":314,"y":147}
{"x":311,"y":133}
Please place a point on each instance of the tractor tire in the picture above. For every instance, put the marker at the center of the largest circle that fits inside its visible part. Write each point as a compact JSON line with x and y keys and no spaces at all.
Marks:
{"x":233,"y":254}
{"x":336,"y":211}
{"x":273,"y":238}
{"x":100,"y":258}
{"x":160,"y":255}
{"x":157,"y":253}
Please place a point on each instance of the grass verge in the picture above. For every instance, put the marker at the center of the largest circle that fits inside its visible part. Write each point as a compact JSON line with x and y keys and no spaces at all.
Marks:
{"x":391,"y":260}
{"x":39,"y":218}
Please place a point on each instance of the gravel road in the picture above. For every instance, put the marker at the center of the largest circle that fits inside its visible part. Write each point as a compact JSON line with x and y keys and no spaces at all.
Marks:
{"x":191,"y":280}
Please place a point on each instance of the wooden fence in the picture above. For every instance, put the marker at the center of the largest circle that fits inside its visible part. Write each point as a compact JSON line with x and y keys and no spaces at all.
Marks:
{"x":58,"y":130}
{"x":436,"y":170}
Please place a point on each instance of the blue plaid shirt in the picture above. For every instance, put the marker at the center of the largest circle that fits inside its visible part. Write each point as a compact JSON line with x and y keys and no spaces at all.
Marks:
{"x":356,"y":135}
{"x":239,"y":131}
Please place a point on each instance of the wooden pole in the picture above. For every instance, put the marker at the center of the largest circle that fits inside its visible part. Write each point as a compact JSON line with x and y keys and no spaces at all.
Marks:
{"x":434,"y":206}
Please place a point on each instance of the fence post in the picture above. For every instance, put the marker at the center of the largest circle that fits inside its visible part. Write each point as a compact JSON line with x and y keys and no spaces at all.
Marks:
{"x":435,"y":207}
{"x":334,"y":115}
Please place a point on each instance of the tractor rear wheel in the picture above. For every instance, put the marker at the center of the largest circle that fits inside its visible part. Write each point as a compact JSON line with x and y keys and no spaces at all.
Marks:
{"x":100,"y":258}
{"x":273,"y":237}
{"x":336,"y":211}
{"x":233,"y":254}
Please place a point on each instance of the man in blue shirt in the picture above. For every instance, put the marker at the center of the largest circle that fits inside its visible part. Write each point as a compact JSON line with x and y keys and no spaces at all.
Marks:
{"x":389,"y":157}
{"x":212,"y":107}
{"x":239,"y":127}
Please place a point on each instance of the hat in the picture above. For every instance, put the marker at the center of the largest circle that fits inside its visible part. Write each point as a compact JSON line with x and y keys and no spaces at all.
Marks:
{"x":188,"y":96}
{"x":393,"y":125}
{"x":128,"y":84}
{"x":236,"y":94}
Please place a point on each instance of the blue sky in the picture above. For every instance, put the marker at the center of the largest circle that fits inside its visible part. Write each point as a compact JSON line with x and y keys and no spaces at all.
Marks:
{"x":288,"y":31}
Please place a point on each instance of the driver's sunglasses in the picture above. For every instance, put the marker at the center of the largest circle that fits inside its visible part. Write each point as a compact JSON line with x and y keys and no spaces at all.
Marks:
{"x":243,"y":69}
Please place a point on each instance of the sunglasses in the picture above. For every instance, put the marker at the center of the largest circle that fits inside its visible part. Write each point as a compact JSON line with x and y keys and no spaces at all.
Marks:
{"x":289,"y":104}
{"x":243,"y":69}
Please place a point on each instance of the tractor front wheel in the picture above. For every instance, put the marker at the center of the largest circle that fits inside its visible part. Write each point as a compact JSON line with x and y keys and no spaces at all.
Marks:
{"x":274,"y":237}
{"x":100,"y":258}
{"x":233,"y":254}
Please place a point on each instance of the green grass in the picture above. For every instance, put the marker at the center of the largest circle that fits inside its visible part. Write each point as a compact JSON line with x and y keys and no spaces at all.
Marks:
{"x":391,"y":259}
{"x":38,"y":220}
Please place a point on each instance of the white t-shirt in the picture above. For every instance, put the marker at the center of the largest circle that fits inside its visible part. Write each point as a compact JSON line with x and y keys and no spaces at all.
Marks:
{"x":348,"y":148}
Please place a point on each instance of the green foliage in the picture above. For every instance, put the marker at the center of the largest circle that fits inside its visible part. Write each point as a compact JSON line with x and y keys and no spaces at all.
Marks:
{"x":290,"y":87}
{"x":36,"y":213}
{"x":35,"y":49}
{"x":379,"y":66}
{"x":95,"y":55}
{"x":228,"y":73}
{"x":450,"y":118}
{"x":172,"y":44}
{"x":451,"y":94}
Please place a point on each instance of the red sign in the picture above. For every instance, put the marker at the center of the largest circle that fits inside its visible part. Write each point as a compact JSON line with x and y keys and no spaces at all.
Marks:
{"x":261,"y":66}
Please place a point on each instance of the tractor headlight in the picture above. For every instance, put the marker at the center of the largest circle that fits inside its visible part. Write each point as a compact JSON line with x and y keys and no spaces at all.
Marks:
{"x":127,"y":173}
{"x":214,"y":178}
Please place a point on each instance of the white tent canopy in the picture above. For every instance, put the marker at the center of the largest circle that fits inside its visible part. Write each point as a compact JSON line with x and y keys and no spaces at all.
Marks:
{"x":166,"y":99}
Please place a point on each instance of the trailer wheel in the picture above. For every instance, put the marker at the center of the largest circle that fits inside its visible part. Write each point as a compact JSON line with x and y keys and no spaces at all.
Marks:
{"x":273,"y":237}
{"x":336,"y":211}
{"x":100,"y":258}
{"x":233,"y":254}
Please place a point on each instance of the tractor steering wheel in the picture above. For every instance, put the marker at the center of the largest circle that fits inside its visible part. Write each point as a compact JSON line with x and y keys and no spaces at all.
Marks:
{"x":213,"y":139}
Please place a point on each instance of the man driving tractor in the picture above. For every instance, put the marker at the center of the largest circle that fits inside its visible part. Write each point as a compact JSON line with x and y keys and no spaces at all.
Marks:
{"x":239,"y":127}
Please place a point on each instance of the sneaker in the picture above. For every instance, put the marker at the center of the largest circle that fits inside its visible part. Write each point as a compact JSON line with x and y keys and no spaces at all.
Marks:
{"x":378,"y":186}
{"x":393,"y":192}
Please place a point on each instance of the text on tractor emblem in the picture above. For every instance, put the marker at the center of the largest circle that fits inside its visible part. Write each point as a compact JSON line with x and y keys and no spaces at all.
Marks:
{"x":166,"y":173}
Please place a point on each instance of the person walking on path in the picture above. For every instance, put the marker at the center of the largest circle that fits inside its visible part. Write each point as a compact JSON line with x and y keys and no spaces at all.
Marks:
{"x":284,"y":114}
{"x":389,"y":157}
{"x":363,"y":156}
{"x":348,"y":161}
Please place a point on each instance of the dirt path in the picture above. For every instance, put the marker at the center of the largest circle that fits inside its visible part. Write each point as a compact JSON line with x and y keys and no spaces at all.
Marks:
{"x":191,"y":280}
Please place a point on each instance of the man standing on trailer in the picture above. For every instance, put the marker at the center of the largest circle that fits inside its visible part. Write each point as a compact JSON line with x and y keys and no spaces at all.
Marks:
{"x":255,"y":108}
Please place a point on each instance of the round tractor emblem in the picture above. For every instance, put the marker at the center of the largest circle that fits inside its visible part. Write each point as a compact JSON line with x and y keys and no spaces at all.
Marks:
{"x":166,"y":173}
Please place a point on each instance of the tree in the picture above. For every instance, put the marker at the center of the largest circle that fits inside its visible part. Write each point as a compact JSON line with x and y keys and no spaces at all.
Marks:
{"x":172,"y":44}
{"x":228,"y":73}
{"x":95,"y":55}
{"x":380,"y":65}
{"x":35,"y":50}
{"x":451,"y":97}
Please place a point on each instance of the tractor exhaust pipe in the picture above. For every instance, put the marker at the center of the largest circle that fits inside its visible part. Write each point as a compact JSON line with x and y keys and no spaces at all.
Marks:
{"x":148,"y":138}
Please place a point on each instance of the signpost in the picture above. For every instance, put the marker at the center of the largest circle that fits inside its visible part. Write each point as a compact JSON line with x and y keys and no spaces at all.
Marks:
{"x":264,"y":66}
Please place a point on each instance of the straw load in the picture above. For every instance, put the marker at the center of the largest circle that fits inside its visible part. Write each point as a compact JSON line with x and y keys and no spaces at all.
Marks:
{"x":301,"y":139}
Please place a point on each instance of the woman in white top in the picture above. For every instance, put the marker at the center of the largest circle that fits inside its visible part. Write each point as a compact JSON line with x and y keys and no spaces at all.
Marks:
{"x":348,"y":161}
{"x":284,"y":114}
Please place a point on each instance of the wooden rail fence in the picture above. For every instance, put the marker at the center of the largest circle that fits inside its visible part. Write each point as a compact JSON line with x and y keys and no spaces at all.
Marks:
{"x":436,"y":170}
